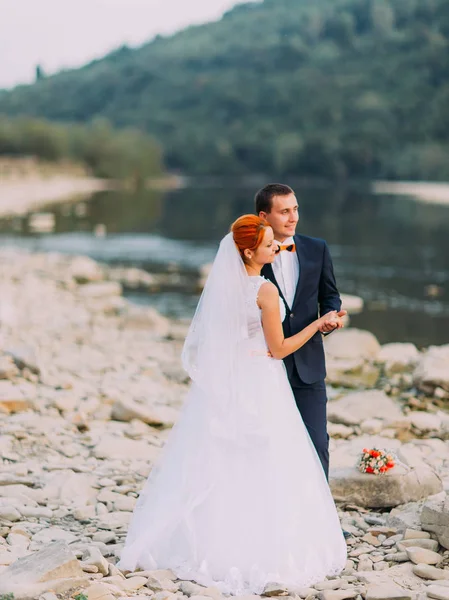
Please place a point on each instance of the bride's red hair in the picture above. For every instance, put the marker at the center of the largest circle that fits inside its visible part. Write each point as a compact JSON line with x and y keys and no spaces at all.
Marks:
{"x":248,"y":232}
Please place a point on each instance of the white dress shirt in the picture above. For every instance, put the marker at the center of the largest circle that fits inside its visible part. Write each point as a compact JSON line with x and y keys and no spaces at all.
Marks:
{"x":286,"y":271}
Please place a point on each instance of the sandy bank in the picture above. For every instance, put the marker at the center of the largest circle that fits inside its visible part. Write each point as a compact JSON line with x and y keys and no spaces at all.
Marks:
{"x":425,"y":191}
{"x":19,"y":196}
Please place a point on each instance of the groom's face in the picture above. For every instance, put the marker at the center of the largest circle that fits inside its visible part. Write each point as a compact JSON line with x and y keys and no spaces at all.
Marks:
{"x":283,"y":216}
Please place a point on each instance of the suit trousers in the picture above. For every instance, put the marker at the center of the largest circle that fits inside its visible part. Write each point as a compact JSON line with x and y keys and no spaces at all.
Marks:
{"x":311,"y":400}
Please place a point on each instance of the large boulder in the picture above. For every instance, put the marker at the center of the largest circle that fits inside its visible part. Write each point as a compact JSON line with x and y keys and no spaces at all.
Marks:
{"x":349,"y":358}
{"x":433,"y":369}
{"x":352,"y":343}
{"x":398,"y":486}
{"x":53,"y":568}
{"x":435,"y":518}
{"x":85,"y":270}
{"x":111,"y":447}
{"x":410,"y":480}
{"x":351,"y":372}
{"x":398,"y":358}
{"x":356,"y":407}
{"x":126,"y":409}
{"x":425,"y":422}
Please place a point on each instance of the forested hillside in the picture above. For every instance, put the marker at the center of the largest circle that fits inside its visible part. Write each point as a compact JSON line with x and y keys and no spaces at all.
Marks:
{"x":334,"y":88}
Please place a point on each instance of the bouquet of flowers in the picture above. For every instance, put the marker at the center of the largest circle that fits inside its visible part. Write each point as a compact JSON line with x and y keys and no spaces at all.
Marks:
{"x":375,"y":461}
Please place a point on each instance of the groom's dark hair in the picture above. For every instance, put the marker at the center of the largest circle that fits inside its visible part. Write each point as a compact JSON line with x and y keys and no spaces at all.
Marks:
{"x":265,"y":196}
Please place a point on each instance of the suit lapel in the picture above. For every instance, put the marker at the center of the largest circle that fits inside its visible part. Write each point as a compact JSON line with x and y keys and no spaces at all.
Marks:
{"x":301,"y":259}
{"x":268,"y":272}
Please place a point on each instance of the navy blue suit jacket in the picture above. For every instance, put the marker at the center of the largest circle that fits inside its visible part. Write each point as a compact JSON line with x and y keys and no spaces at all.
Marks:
{"x":316,"y":292}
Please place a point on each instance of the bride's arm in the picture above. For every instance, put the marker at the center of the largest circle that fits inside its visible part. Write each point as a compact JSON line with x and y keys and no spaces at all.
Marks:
{"x":279,"y":346}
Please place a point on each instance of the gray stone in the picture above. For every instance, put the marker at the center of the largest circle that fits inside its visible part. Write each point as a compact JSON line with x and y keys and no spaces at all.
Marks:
{"x":429,"y":572}
{"x":114,"y":520}
{"x":328,"y":584}
{"x":53,"y":534}
{"x":351,"y":372}
{"x":395,"y":487}
{"x":424,"y":422}
{"x":159,"y":584}
{"x":110,"y":447}
{"x":420,"y":543}
{"x":302,"y":592}
{"x":407,"y":516}
{"x":422,"y":556}
{"x":352,"y":343}
{"x":415,"y":534}
{"x":398,"y":357}
{"x":435,"y":518}
{"x":165,"y":595}
{"x":9,"y":513}
{"x":48,"y":596}
{"x":92,"y":556}
{"x":356,"y":407}
{"x":126,"y":409}
{"x":438,"y":591}
{"x":274,"y":589}
{"x":188,"y":588}
{"x":339,"y":594}
{"x":398,"y":557}
{"x":101,"y":591}
{"x":107,"y":537}
{"x":433,"y":369}
{"x":387,"y":592}
{"x":365,"y":564}
{"x":85,"y":270}
{"x":55,"y":562}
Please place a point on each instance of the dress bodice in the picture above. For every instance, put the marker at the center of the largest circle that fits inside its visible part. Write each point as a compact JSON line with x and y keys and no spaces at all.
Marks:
{"x":254,"y":313}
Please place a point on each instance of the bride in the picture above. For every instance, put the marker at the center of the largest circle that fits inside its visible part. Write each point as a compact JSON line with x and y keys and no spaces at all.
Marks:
{"x":239,"y":498}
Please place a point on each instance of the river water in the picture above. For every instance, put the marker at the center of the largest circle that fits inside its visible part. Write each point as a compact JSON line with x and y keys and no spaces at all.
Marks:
{"x":391,"y":251}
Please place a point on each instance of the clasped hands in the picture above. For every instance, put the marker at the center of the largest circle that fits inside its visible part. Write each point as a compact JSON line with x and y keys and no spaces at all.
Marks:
{"x":332,"y":320}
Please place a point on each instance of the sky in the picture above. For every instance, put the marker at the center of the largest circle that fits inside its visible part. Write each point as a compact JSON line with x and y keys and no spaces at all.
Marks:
{"x":69,"y":33}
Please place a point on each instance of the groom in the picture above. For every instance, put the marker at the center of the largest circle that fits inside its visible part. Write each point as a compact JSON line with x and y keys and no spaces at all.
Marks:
{"x":303,"y":273}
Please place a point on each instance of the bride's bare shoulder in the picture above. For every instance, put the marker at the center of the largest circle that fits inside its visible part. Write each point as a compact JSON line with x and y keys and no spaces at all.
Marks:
{"x":268,"y":294}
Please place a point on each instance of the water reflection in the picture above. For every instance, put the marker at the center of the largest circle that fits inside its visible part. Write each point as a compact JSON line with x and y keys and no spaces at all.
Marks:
{"x":394,"y":252}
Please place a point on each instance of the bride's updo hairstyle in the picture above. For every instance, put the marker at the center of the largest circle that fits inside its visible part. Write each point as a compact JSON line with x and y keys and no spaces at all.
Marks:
{"x":248,"y":232}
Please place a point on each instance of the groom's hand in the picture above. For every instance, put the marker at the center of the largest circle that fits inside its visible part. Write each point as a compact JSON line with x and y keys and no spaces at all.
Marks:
{"x":333,"y":323}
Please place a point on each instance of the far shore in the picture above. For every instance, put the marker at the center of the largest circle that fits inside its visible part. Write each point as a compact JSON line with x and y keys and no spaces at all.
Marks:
{"x":20,"y":196}
{"x":424,"y":191}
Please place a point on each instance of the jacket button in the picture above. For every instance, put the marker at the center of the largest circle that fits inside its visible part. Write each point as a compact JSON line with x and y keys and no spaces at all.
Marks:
{"x":292,"y":315}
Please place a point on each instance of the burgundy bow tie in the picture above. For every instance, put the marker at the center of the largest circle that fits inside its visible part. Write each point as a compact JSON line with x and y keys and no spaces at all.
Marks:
{"x":289,"y":248}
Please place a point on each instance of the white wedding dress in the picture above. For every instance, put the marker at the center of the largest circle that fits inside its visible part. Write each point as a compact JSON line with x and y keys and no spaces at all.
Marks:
{"x":240,"y":498}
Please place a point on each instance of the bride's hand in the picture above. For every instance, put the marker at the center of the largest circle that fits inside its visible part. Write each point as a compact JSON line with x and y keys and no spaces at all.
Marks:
{"x":330,"y":321}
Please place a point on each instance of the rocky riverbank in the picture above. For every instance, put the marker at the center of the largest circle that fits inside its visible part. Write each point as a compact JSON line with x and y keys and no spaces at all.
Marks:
{"x":89,"y":387}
